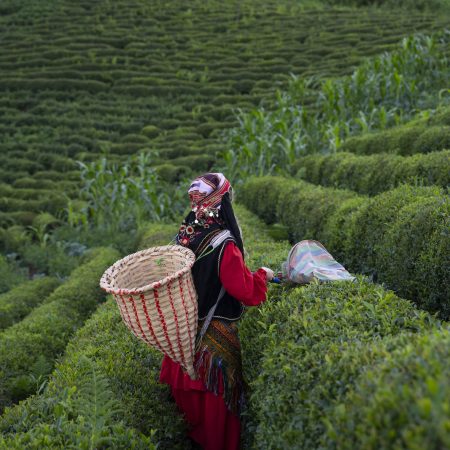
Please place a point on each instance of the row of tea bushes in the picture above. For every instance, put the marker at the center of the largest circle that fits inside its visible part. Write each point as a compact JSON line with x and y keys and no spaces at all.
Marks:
{"x":24,"y":218}
{"x":21,"y":300}
{"x":158,"y":234}
{"x":105,"y":391}
{"x":420,"y":5}
{"x":376,"y":173}
{"x":407,"y":391}
{"x":80,"y":407}
{"x":304,"y":349}
{"x":10,"y":276}
{"x":307,"y":348}
{"x":131,"y":408}
{"x":426,"y":135}
{"x":28,"y":348}
{"x":52,"y":203}
{"x":23,"y":195}
{"x":256,"y":237}
{"x":400,"y":237}
{"x":174,"y":173}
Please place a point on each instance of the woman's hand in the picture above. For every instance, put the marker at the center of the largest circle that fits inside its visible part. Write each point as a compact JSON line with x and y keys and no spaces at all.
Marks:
{"x":269,"y":273}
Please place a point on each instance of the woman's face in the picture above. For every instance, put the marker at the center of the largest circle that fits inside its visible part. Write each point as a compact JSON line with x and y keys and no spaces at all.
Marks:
{"x":196,"y":197}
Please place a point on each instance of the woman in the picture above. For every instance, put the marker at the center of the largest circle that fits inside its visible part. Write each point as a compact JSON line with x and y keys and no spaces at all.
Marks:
{"x":212,"y":403}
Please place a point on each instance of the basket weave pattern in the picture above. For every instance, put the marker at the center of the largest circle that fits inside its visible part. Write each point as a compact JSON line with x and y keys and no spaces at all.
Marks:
{"x":157,"y":300}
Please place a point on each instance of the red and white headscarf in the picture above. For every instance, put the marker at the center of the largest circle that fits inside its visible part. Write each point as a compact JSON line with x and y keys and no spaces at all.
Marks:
{"x":211,"y":206}
{"x":206,"y":193}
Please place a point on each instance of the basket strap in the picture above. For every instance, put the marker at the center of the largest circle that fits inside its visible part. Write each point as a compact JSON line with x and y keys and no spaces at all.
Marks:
{"x":210,"y":316}
{"x":221,"y":237}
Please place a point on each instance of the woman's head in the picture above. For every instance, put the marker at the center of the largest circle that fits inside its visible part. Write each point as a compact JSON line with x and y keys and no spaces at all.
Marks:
{"x":211,"y":195}
{"x":207,"y":190}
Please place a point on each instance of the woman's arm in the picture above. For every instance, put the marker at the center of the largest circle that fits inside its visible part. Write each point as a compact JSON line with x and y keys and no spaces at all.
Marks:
{"x":247,"y":287}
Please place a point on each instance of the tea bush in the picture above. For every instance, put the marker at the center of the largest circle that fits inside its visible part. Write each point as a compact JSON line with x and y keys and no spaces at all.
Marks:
{"x":441,"y":117}
{"x":420,"y":5}
{"x":130,"y":372}
{"x":13,"y":238}
{"x":415,"y":214}
{"x":103,"y":349}
{"x":400,"y":403}
{"x":10,"y":276}
{"x":419,"y":136}
{"x":315,"y":341}
{"x":396,"y":236}
{"x":260,"y":248}
{"x":16,"y":217}
{"x":373,"y":174}
{"x":158,"y":234}
{"x":19,"y":301}
{"x":172,"y":173}
{"x":52,"y":204}
{"x":419,"y":265}
{"x":78,"y":410}
{"x":43,"y":334}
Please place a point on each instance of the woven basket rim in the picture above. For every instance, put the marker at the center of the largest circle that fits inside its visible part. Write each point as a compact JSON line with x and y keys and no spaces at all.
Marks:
{"x":105,"y":279}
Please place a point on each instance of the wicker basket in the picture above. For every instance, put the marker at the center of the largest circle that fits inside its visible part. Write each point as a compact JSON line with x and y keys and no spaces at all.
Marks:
{"x":157,"y":299}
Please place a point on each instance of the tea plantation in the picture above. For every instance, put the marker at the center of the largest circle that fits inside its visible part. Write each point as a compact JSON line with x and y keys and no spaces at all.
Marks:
{"x":98,"y":78}
{"x":331,"y":118}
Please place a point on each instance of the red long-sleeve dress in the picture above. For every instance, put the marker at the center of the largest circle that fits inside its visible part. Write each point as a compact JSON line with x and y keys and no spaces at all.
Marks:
{"x":211,"y":423}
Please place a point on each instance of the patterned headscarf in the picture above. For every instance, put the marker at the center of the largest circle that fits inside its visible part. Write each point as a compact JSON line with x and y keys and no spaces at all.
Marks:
{"x":206,"y":194}
{"x":210,"y":196}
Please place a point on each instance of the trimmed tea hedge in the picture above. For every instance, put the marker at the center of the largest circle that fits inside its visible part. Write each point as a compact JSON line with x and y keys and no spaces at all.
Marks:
{"x":400,"y":236}
{"x":129,"y":401}
{"x":128,"y":371}
{"x":373,"y":174}
{"x":173,"y":173}
{"x":401,"y":403}
{"x":18,"y":302}
{"x":416,"y":137}
{"x":406,"y":5}
{"x":306,"y":349}
{"x":9,"y":275}
{"x":260,"y":248}
{"x":158,"y":234}
{"x":43,"y":334}
{"x":77,"y":410}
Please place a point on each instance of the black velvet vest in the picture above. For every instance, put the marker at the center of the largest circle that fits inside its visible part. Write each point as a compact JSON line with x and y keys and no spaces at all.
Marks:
{"x":205,"y":273}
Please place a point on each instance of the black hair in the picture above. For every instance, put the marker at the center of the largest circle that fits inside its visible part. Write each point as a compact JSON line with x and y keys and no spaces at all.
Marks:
{"x":227,"y":215}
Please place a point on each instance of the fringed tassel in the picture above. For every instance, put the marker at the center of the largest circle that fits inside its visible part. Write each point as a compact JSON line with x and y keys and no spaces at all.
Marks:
{"x":209,"y":366}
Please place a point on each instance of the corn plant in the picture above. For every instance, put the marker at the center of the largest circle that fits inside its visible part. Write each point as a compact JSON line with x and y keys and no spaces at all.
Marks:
{"x":123,"y":197}
{"x":316,"y":116}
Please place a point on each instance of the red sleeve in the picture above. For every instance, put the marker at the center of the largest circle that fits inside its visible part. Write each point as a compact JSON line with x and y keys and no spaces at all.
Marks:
{"x":247,"y":287}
